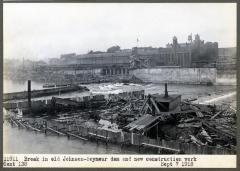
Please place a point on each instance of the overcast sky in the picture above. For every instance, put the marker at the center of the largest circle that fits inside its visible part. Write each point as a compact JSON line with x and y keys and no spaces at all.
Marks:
{"x":41,"y":31}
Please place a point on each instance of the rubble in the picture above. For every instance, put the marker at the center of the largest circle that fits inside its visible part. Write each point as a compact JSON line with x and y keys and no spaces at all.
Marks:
{"x":156,"y":116}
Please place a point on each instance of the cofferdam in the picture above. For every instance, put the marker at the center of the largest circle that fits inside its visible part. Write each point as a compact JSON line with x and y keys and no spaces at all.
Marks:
{"x":24,"y":141}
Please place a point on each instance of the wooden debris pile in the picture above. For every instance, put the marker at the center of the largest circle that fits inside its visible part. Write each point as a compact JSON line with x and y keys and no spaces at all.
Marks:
{"x":186,"y":121}
{"x":206,"y":125}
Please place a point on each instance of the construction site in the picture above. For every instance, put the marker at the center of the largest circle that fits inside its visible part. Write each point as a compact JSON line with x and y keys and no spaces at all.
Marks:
{"x":160,"y":123}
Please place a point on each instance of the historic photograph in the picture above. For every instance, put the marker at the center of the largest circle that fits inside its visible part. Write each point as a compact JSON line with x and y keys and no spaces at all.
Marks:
{"x":119,"y":78}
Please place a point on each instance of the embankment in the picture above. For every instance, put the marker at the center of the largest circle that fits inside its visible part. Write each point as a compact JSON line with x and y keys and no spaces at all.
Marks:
{"x":185,"y":75}
{"x":176,"y":75}
{"x":226,"y":77}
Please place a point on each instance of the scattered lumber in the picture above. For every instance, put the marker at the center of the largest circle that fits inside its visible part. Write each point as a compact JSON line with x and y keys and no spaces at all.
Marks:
{"x":55,"y":131}
{"x":219,"y":131}
{"x":206,"y":135}
{"x":218,"y":113}
{"x":197,"y":111}
{"x":161,"y":147}
{"x":195,"y":140}
{"x":20,"y":123}
{"x":32,"y":128}
{"x":190,"y":125}
{"x":77,"y":136}
{"x":13,"y":121}
{"x":98,"y":136}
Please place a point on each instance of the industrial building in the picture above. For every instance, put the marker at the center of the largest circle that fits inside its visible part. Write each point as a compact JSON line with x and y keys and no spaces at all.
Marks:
{"x":195,"y":53}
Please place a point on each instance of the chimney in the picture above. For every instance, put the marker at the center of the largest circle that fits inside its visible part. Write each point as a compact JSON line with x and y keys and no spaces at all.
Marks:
{"x":166,"y":91}
{"x":29,"y":94}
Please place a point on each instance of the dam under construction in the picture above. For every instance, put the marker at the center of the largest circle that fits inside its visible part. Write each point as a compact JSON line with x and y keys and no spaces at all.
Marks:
{"x":121,"y":118}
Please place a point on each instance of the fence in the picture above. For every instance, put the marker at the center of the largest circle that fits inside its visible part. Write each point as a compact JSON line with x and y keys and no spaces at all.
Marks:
{"x":118,"y":136}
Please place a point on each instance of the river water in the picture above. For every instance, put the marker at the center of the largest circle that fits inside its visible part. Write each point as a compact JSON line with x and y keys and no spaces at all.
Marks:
{"x":22,"y":141}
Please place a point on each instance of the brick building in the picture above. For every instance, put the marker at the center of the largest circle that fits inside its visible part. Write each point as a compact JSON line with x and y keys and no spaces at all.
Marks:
{"x":191,"y":54}
{"x":194,"y":53}
{"x":227,"y":58}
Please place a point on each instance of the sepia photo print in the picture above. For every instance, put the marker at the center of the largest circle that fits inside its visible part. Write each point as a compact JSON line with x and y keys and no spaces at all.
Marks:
{"x":119,"y":79}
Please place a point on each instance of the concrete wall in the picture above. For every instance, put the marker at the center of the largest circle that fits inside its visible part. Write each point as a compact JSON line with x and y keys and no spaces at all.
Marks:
{"x":87,"y":71}
{"x":176,"y":75}
{"x":226,"y":79}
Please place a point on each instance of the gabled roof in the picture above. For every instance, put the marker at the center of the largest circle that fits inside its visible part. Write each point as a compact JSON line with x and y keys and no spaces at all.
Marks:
{"x":142,"y":123}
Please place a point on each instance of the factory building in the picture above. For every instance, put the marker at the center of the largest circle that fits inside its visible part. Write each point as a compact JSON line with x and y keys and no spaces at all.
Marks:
{"x":194,"y":53}
{"x":227,"y":58}
{"x":191,"y":54}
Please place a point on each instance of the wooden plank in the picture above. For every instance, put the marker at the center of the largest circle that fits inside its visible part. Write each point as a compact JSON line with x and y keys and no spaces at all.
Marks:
{"x":21,"y":123}
{"x":155,"y":105}
{"x":190,"y":125}
{"x":96,"y":135}
{"x":30,"y":127}
{"x":133,"y":127}
{"x":14,"y":121}
{"x":55,"y":131}
{"x":206,"y":135}
{"x":218,"y":113}
{"x":145,"y":102}
{"x":198,"y":113}
{"x":219,"y":132}
{"x":76,"y":136}
{"x":233,"y":109}
{"x":148,"y":107}
{"x":195,"y":140}
{"x":161,"y":147}
{"x":151,"y":126}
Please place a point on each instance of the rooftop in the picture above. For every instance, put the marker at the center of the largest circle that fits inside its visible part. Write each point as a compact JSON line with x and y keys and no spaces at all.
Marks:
{"x":142,"y":122}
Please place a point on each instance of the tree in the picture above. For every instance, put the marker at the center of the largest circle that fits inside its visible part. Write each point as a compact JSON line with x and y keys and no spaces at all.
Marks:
{"x":113,"y":49}
{"x":90,"y":52}
{"x":94,"y":52}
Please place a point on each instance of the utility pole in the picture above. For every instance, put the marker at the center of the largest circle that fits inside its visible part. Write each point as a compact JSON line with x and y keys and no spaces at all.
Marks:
{"x":29,"y":96}
{"x":137,"y":41}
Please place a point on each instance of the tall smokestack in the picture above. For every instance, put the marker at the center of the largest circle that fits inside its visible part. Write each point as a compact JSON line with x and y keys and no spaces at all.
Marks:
{"x":166,"y":91}
{"x":29,"y":94}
